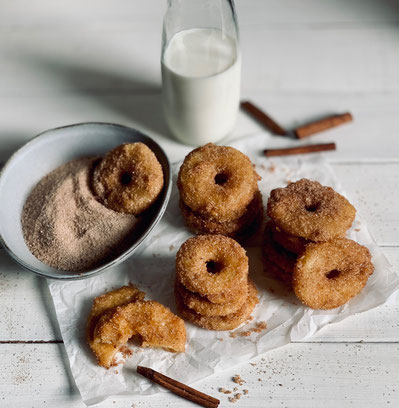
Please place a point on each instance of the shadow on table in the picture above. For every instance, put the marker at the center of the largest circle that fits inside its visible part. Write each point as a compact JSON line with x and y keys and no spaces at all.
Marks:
{"x":73,"y":389}
{"x":135,"y":98}
{"x":48,"y":304}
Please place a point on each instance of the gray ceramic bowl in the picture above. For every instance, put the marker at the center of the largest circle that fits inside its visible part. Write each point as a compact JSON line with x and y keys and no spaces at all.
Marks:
{"x":43,"y":154}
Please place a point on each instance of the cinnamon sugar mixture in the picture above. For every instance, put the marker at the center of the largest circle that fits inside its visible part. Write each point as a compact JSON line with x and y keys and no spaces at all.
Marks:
{"x":65,"y":227}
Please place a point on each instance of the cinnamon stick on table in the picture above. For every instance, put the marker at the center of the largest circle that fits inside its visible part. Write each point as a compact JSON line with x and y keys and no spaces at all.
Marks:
{"x":263,"y":118}
{"x":301,"y":131}
{"x":321,"y":125}
{"x":179,"y":388}
{"x":300,"y":149}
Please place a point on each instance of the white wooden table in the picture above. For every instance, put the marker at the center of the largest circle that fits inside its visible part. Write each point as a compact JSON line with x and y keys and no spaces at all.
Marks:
{"x":98,"y":60}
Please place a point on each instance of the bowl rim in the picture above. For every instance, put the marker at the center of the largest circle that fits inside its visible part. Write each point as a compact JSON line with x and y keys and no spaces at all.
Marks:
{"x":65,"y":275}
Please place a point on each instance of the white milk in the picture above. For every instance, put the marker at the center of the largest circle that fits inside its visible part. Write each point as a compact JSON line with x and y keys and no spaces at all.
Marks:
{"x":201,"y":85}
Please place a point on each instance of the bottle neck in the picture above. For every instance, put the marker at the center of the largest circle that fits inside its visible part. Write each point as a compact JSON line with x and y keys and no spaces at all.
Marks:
{"x":191,"y":14}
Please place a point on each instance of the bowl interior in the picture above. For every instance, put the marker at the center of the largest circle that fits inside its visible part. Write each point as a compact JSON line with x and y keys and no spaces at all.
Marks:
{"x":45,"y":153}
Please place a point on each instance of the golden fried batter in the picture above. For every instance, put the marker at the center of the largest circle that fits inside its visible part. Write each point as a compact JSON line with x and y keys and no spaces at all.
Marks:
{"x":228,"y":322}
{"x":155,"y":323}
{"x":118,"y":315}
{"x":203,"y":306}
{"x":107,"y":303}
{"x":284,"y":259}
{"x":309,"y":210}
{"x":228,"y":295}
{"x":231,"y":228}
{"x":272,"y":269}
{"x":128,"y":179}
{"x":217,"y":182}
{"x":289,"y":242}
{"x":211,"y":264}
{"x":328,"y":274}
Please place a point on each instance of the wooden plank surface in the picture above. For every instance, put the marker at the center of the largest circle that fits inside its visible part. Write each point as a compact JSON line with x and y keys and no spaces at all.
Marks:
{"x":296,"y":376}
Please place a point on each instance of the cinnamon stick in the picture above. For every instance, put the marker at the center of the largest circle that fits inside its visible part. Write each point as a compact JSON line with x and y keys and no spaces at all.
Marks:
{"x":321,"y":125}
{"x":179,"y":388}
{"x":300,"y":149}
{"x":263,"y":118}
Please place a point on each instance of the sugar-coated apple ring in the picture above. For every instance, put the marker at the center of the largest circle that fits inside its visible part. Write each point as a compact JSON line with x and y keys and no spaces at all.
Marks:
{"x":211,"y":264}
{"x":154,"y":323}
{"x":228,"y":295}
{"x":277,"y":254}
{"x":104,"y":304}
{"x":289,"y":242}
{"x":328,"y":274}
{"x":309,"y":210}
{"x":233,"y":228}
{"x":128,"y":179}
{"x":271,"y":269}
{"x":228,"y":322}
{"x":217,"y":181}
{"x":203,"y":306}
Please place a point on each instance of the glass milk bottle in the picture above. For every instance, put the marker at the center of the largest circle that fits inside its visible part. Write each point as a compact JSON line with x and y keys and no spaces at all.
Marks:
{"x":201,"y":69}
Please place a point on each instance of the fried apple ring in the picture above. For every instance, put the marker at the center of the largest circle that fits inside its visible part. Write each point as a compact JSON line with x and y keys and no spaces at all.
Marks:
{"x":309,"y":210}
{"x":204,"y":307}
{"x":104,"y":304}
{"x":228,"y":322}
{"x":228,"y":295}
{"x":155,"y":323}
{"x":211,"y":264}
{"x":233,"y":228}
{"x":289,"y":242}
{"x":217,"y":182}
{"x":271,"y":268}
{"x":128,"y":179}
{"x":284,"y":259}
{"x":328,"y":274}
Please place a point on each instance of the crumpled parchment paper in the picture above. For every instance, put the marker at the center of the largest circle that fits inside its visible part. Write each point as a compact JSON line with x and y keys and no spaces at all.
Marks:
{"x":151,"y":268}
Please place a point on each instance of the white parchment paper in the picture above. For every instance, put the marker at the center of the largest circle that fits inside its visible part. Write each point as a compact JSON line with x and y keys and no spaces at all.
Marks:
{"x":151,"y":268}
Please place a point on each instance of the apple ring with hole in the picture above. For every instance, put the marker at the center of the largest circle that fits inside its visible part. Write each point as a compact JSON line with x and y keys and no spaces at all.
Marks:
{"x":328,"y":274}
{"x":217,"y":182}
{"x":211,"y":264}
{"x":128,"y":179}
{"x":309,"y":210}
